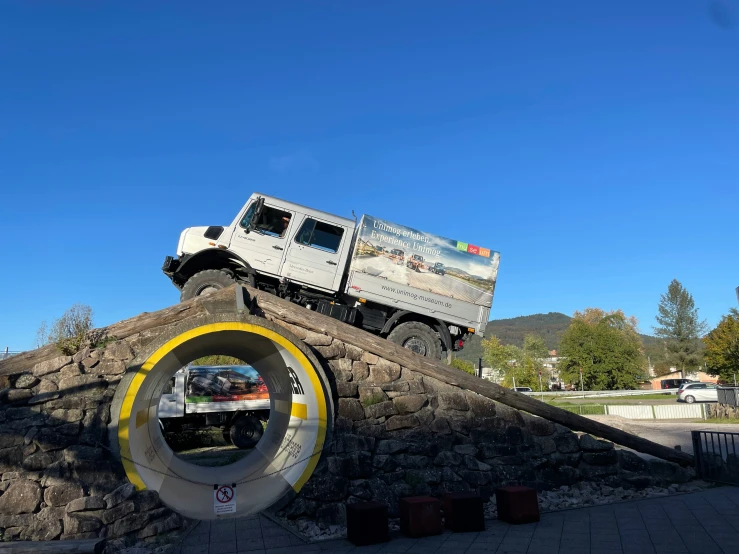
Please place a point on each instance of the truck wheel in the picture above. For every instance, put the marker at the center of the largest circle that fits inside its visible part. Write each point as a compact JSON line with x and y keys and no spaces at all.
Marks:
{"x":418,"y":337}
{"x":205,"y":282}
{"x":246,"y":432}
{"x":227,"y":436}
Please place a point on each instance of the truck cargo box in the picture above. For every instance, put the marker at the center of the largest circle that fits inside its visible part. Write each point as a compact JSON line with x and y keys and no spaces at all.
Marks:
{"x":398,"y":266}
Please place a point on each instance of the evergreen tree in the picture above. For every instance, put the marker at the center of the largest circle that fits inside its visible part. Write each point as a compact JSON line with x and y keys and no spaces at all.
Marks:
{"x":680,"y":327}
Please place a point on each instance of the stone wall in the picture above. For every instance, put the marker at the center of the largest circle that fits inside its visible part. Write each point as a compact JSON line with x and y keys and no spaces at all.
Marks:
{"x":57,"y":478}
{"x":395,"y":433}
{"x":399,"y":433}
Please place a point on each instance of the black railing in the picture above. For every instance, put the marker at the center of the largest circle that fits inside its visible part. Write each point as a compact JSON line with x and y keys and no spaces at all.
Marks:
{"x":728,"y":396}
{"x":716,"y":456}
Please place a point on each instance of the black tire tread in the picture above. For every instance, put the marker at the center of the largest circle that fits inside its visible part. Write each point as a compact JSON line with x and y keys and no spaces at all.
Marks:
{"x":415,"y":328}
{"x":212,"y":276}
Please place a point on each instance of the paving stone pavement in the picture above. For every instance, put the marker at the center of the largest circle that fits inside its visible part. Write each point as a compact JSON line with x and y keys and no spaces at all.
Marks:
{"x":705,"y":522}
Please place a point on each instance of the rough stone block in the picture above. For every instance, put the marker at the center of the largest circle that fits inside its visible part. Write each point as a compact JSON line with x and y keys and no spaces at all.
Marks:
{"x":61,"y":495}
{"x":402,"y":422}
{"x":353,"y":352}
{"x":119,"y":350}
{"x":160,"y":527}
{"x":335,"y":350}
{"x":351,"y":408}
{"x":380,"y":409}
{"x":22,"y":497}
{"x":360,"y":370}
{"x":590,"y":444}
{"x":384,"y":372}
{"x":86,"y":503}
{"x":26,"y":381}
{"x":453,"y":401}
{"x":121,"y":494}
{"x":632,"y":462}
{"x":602,"y":458}
{"x":410,"y":404}
{"x":50,"y":366}
{"x":567,"y":443}
{"x":370,"y":358}
{"x":317,"y":339}
{"x":118,"y":512}
{"x":391,"y":447}
{"x":369,"y":394}
{"x":108,"y":367}
{"x":344,"y":389}
{"x":79,"y":523}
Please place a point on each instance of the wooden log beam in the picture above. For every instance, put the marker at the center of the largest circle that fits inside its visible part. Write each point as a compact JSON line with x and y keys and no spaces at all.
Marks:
{"x":291,"y":313}
{"x":124,"y":329}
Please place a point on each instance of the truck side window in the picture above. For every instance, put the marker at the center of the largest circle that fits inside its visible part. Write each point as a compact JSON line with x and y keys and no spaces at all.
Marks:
{"x":320,"y":235}
{"x":273,"y":222}
{"x":248,"y":215}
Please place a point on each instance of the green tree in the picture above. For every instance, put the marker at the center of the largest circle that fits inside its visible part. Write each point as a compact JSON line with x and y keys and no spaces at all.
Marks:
{"x":680,"y":327}
{"x":722,"y":348}
{"x":518,"y":365}
{"x":70,"y":331}
{"x":464,"y":365}
{"x":606,"y":346}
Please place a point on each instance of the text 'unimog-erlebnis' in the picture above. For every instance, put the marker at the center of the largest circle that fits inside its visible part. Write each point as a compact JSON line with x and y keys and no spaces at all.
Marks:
{"x":424,"y":292}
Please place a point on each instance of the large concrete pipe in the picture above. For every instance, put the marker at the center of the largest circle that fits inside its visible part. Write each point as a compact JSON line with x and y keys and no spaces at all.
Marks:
{"x":299,"y":425}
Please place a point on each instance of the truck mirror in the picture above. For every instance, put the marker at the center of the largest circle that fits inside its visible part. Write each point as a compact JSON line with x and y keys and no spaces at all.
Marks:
{"x":258,"y":208}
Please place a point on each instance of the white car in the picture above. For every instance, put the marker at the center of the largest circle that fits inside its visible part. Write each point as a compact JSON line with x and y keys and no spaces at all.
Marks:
{"x":698,"y":392}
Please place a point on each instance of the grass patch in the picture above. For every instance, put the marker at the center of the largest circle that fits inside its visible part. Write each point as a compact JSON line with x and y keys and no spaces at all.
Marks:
{"x":580,"y":409}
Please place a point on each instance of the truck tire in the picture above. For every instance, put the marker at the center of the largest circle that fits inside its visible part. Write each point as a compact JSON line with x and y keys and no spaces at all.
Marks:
{"x":246,"y":432}
{"x":227,"y":435}
{"x":205,"y":282}
{"x":417,"y":337}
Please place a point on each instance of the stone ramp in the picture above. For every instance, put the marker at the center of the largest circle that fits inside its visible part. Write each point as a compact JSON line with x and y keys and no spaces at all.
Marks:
{"x":398,"y":425}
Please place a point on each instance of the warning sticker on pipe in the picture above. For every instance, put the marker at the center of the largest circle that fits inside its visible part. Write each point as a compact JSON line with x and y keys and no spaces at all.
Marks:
{"x":224,"y":499}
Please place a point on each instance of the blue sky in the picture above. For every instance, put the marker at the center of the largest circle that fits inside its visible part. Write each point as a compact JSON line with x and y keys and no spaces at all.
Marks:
{"x":593,"y":144}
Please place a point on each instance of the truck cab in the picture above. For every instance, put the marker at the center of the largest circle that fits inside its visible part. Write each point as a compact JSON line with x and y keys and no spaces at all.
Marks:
{"x":415,"y":262}
{"x":270,"y":239}
{"x":437,"y":268}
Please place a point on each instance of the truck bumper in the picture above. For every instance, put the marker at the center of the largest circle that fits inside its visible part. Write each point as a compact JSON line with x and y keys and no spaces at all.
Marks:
{"x":170,"y":265}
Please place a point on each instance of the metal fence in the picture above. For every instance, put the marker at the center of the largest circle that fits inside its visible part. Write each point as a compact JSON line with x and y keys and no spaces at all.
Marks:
{"x":7,"y":354}
{"x":716,"y":456}
{"x":728,"y":396}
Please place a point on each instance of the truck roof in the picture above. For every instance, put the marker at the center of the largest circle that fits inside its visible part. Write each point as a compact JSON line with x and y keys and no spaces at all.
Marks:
{"x":307,"y":210}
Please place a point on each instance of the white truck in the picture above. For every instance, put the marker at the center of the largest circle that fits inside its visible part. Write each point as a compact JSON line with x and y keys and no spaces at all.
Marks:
{"x":353,"y":272}
{"x":232,"y":398}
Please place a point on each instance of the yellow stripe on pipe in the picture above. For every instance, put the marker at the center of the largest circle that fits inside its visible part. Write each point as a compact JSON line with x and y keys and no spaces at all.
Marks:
{"x":138,"y":379}
{"x":299,"y":410}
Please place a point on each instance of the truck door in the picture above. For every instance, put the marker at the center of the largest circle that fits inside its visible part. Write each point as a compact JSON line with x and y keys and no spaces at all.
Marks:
{"x":172,"y":401}
{"x":315,"y":255}
{"x":264,"y":246}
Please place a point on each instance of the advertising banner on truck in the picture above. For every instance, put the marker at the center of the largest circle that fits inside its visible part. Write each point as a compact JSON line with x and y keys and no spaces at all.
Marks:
{"x":442,"y":266}
{"x":224,"y":384}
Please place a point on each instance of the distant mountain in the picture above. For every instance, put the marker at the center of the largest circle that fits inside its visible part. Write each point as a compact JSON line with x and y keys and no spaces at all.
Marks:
{"x":512,"y":331}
